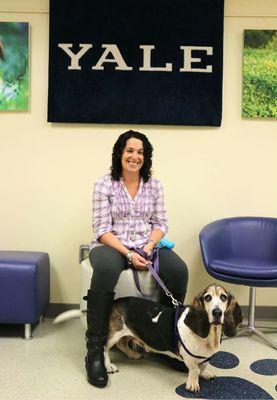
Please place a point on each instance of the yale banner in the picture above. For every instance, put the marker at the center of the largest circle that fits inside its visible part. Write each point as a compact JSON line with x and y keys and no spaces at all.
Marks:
{"x":136,"y":62}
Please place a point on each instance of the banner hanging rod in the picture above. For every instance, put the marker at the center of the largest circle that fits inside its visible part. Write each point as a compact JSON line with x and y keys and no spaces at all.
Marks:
{"x":225,"y":16}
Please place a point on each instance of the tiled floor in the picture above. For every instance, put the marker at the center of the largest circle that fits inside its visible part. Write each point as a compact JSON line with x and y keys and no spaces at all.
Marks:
{"x":51,"y":367}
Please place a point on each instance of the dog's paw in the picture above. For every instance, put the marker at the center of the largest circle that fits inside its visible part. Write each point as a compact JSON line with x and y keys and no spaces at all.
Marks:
{"x":192,"y":386}
{"x":207,"y":375}
{"x":111,"y":368}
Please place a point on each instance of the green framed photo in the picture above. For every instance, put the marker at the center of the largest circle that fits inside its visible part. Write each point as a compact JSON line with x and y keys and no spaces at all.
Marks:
{"x":259,"y":95}
{"x":14,"y":66}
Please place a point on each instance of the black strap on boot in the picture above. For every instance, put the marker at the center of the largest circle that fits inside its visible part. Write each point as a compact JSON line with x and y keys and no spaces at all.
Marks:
{"x":99,"y":306}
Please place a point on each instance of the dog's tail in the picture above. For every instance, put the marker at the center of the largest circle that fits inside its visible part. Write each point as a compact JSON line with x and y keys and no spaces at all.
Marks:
{"x":65,"y":316}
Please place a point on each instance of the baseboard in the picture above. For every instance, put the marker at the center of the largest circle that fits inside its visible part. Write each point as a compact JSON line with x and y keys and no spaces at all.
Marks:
{"x":261,"y":312}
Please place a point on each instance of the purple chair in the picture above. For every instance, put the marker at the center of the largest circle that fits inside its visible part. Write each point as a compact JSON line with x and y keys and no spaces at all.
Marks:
{"x":24,"y":287}
{"x":243,"y":251}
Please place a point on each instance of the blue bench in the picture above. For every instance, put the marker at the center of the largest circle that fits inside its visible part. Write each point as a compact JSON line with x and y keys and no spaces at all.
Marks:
{"x":24,"y":287}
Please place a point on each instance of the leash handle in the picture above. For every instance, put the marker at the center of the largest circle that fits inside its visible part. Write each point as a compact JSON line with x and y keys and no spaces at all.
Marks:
{"x":155,"y":273}
{"x":153,"y":256}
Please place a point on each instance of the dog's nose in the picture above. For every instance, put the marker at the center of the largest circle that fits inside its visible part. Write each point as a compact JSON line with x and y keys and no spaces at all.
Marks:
{"x":217,"y":313}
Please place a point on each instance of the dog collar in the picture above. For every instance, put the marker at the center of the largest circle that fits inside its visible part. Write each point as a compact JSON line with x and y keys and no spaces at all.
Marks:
{"x":178,"y":338}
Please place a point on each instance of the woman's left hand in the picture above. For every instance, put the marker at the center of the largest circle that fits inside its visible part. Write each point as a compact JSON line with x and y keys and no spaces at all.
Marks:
{"x":148,"y":248}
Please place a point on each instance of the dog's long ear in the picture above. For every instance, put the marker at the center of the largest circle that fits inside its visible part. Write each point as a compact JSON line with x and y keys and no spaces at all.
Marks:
{"x":197,"y":318}
{"x":232,"y":317}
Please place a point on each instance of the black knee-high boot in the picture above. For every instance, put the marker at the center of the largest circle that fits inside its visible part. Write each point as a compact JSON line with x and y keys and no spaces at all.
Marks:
{"x":99,"y":306}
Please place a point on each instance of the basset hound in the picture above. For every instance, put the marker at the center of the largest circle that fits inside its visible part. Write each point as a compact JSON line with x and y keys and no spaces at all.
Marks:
{"x":190,"y":334}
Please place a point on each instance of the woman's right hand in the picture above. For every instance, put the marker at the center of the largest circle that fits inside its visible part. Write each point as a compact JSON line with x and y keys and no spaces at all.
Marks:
{"x":138,"y":261}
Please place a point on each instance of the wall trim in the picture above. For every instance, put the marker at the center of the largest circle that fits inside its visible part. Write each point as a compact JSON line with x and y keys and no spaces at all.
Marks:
{"x":261,"y":312}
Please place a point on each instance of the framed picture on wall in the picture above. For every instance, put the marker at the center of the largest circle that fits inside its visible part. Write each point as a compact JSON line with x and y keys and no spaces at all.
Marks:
{"x":259,"y":96}
{"x":14,"y":66}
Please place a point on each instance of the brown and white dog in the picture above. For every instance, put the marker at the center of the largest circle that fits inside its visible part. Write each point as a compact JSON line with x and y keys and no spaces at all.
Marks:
{"x":193,"y":336}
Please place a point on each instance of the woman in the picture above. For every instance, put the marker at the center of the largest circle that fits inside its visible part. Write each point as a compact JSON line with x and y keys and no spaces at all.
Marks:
{"x":128,"y":212}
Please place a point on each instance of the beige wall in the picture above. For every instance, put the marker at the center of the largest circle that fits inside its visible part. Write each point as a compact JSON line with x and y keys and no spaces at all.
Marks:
{"x":47,"y":170}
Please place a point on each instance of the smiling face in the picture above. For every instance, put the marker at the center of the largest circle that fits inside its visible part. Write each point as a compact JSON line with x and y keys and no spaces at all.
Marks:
{"x":132,"y":157}
{"x":215,"y":302}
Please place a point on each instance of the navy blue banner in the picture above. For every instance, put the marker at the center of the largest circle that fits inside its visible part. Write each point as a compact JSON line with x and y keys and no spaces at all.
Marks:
{"x":136,"y":62}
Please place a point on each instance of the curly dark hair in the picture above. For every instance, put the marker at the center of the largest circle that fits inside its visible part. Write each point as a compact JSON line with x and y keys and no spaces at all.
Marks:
{"x":118,"y":148}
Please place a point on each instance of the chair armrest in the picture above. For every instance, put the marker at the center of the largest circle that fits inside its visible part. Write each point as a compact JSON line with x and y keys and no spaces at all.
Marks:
{"x":215,"y":241}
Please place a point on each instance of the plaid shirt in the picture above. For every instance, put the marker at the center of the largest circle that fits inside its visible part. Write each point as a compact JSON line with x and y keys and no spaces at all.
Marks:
{"x":130,"y":220}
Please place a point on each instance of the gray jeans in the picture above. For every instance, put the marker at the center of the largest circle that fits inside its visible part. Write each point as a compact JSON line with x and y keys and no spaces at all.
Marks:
{"x":108,"y":263}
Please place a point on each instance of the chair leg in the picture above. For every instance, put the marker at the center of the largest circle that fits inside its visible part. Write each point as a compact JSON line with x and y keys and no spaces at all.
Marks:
{"x":28,"y":332}
{"x":251,"y":309}
{"x":251,"y":328}
{"x":265,"y":338}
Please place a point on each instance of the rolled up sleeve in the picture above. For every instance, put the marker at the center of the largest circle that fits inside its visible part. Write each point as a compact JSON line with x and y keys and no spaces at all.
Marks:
{"x":102,"y":219}
{"x":159,"y":216}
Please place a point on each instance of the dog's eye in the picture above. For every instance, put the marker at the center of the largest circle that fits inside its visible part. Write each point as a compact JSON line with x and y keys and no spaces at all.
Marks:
{"x":223,"y":297}
{"x":208,"y":297}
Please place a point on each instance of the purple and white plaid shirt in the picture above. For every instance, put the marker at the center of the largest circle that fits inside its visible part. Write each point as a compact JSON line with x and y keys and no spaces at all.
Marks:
{"x":130,"y":220}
